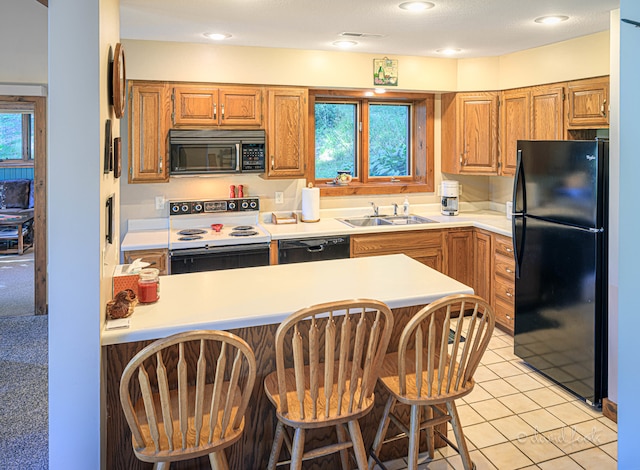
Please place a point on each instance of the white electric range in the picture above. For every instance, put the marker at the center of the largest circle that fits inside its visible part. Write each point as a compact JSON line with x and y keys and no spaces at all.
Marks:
{"x":210,"y":235}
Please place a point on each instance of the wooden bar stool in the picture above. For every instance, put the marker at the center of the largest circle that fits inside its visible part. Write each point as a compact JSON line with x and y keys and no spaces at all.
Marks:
{"x":184,"y":396}
{"x":436,"y":359}
{"x":327,"y":362}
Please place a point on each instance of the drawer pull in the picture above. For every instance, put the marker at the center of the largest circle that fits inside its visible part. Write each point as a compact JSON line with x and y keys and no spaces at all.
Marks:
{"x":509,"y":250}
{"x":509,"y":270}
{"x":509,"y":294}
{"x":508,"y":317}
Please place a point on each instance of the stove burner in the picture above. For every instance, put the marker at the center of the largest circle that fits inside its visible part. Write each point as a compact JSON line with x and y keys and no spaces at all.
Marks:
{"x":187,"y":238}
{"x":242,"y":228}
{"x":192,"y":231}
{"x":243,"y":233}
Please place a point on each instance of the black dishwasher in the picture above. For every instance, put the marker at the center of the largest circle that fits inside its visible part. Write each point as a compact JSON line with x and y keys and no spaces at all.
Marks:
{"x":312,"y":249}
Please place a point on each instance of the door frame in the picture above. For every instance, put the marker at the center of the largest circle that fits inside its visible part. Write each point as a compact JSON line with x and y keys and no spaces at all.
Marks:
{"x":39,"y":104}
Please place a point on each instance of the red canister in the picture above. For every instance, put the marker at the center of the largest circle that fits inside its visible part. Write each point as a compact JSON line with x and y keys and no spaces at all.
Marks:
{"x":148,"y":286}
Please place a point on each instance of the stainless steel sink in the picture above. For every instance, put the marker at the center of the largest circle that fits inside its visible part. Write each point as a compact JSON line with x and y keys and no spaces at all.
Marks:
{"x":365,"y":221}
{"x":369,"y":221}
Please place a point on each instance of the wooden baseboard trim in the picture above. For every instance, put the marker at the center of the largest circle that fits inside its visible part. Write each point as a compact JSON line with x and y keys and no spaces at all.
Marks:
{"x":610,"y":409}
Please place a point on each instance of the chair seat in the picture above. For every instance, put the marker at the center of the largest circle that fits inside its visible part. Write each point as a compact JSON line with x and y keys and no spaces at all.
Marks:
{"x":294,"y":416}
{"x":389,"y":379}
{"x":149,"y":454}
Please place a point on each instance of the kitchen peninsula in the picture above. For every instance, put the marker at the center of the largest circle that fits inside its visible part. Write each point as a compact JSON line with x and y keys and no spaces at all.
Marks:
{"x":251,"y":302}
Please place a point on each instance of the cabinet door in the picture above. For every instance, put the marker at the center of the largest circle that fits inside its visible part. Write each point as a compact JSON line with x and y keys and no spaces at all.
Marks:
{"x":482,"y":274}
{"x":514,"y":126}
{"x":478,"y":133}
{"x":547,"y":105}
{"x":286,"y":132}
{"x":241,"y":106}
{"x":588,"y":103}
{"x":195,"y":106}
{"x":460,"y":255}
{"x":157,"y":258}
{"x":148,"y":129}
{"x":503,"y":282}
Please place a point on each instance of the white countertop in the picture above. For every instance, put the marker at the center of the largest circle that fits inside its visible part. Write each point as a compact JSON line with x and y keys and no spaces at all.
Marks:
{"x":492,"y":221}
{"x":265,"y":295}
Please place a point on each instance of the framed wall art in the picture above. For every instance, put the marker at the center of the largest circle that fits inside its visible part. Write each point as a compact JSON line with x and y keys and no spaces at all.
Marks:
{"x":385,"y":72}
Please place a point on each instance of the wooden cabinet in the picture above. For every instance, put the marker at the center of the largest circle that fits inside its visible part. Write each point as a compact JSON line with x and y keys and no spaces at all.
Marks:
{"x":503,"y":299}
{"x":515,"y":124}
{"x":148,"y":130}
{"x":470,"y":133}
{"x":482,"y":273}
{"x":588,"y":103}
{"x":547,"y":109}
{"x":286,"y":132}
{"x":158,"y":259}
{"x":200,"y":105}
{"x":425,"y":246}
{"x":459,"y":255}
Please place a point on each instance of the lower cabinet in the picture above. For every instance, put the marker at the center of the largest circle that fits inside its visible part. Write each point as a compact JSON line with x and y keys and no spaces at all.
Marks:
{"x":482,"y":271}
{"x":157,"y":258}
{"x":459,"y":259}
{"x":425,"y":246}
{"x":503,"y":298}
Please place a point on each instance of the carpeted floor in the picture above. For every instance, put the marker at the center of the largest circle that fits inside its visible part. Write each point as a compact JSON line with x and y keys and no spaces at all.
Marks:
{"x":23,"y":393}
{"x":16,"y":285}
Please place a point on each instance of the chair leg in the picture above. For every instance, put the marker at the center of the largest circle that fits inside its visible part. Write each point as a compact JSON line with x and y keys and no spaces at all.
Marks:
{"x":358,"y":444}
{"x":457,"y":430}
{"x":276,"y":447}
{"x":431,"y":441}
{"x":344,"y":455}
{"x":218,"y":460}
{"x":382,"y":430}
{"x":414,"y":438}
{"x":297,"y":451}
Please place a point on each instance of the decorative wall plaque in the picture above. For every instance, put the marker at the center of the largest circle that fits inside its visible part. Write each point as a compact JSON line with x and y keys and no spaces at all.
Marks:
{"x":385,"y":72}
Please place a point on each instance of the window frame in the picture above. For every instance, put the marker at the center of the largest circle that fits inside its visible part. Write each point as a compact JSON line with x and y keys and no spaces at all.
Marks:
{"x":421,"y":137}
{"x":28,"y":151}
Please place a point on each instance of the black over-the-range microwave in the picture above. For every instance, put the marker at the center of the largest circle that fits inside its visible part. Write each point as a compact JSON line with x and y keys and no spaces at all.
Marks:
{"x":214,"y":151}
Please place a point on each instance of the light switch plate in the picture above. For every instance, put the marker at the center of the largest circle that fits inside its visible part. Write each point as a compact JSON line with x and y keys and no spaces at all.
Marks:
{"x":279,"y":197}
{"x":159,"y":202}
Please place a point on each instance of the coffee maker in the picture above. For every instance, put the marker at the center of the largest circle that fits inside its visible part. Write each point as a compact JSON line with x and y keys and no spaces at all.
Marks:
{"x":449,"y":193}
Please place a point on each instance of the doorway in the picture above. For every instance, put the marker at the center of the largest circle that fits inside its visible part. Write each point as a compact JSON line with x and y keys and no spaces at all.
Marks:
{"x":35,"y":106}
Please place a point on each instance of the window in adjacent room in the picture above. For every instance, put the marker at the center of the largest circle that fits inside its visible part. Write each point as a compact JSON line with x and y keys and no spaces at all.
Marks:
{"x":16,"y":137}
{"x":386,"y":144}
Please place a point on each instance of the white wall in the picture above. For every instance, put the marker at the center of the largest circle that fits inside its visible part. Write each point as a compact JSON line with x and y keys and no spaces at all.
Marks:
{"x":79,"y":262}
{"x":23,"y":55}
{"x":628,"y":315}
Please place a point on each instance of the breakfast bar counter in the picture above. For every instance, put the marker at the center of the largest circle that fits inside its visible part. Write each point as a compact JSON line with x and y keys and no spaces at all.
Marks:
{"x":251,"y":302}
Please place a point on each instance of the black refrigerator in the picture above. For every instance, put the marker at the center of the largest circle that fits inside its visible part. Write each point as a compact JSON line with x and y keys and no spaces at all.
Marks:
{"x":560,"y":244}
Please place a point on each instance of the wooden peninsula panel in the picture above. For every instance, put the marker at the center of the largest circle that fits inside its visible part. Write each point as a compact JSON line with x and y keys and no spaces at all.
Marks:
{"x":252,"y":450}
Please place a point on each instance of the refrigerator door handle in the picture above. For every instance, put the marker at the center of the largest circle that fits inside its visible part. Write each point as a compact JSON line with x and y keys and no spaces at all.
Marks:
{"x":519,"y":204}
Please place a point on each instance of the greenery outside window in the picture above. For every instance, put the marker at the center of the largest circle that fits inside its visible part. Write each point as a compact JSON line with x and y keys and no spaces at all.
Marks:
{"x":386,"y":143}
{"x":16,"y":137}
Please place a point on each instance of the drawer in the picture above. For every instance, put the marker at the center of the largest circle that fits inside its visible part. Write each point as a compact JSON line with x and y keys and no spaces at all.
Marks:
{"x":504,"y":290}
{"x":503,"y":245}
{"x":505,"y":266}
{"x":504,"y":315}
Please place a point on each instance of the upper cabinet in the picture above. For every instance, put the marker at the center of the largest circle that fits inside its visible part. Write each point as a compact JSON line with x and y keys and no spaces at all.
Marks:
{"x":515,"y":124}
{"x":470,"y":133}
{"x":286,"y":132}
{"x":148,"y":129}
{"x":200,"y":105}
{"x":547,"y":111}
{"x":588,"y":103}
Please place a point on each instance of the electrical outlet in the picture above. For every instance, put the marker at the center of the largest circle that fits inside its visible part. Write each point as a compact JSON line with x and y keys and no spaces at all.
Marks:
{"x":159,"y":202}
{"x":279,"y":197}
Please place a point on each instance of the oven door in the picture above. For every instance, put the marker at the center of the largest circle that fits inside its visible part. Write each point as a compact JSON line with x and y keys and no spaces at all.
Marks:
{"x":204,"y":158}
{"x":194,"y":260}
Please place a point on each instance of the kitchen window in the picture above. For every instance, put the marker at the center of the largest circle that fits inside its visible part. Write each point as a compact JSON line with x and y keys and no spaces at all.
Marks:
{"x":16,"y":136}
{"x":386,"y":143}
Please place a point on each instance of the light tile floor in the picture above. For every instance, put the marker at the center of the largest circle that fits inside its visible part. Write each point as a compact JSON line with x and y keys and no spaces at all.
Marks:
{"x":516,"y":418}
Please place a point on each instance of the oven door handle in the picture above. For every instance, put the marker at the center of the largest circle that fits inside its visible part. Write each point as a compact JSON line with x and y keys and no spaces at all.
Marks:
{"x":238,"y":157}
{"x":212,"y":250}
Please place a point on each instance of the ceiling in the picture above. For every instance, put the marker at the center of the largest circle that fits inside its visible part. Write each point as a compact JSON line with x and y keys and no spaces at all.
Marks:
{"x":480,"y":28}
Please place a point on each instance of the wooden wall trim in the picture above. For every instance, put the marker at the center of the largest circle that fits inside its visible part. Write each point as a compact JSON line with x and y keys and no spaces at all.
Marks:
{"x":610,"y":409}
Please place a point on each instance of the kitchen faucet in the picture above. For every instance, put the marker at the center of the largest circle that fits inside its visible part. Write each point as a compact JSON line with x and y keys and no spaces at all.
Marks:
{"x":375,"y":209}
{"x":395,"y":209}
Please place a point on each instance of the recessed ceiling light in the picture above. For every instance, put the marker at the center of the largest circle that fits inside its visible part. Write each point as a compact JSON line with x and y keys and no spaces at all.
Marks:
{"x":553,"y":19}
{"x":217,"y":36}
{"x":345,"y":44}
{"x":416,"y":6}
{"x":448,"y":51}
